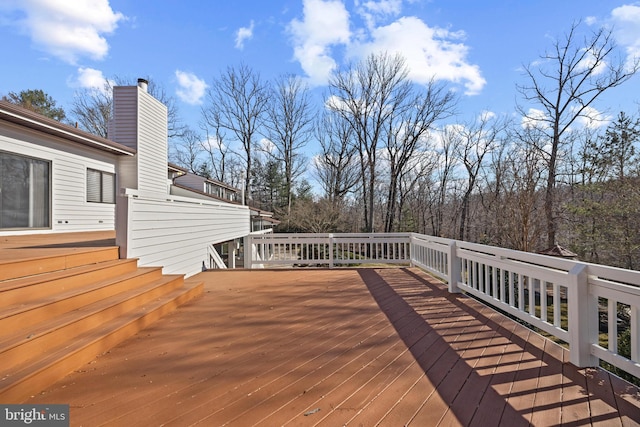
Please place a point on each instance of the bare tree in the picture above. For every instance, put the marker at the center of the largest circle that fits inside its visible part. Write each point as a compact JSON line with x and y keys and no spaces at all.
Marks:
{"x":368,"y":95}
{"x":522,"y":186}
{"x":419,"y":169}
{"x":289,"y":128}
{"x":477,"y":139}
{"x":92,"y":107}
{"x":336,"y":166}
{"x":187,"y":151}
{"x":237,"y":102}
{"x":406,"y":134}
{"x":223,"y":162}
{"x":446,"y":164}
{"x":565,"y":84}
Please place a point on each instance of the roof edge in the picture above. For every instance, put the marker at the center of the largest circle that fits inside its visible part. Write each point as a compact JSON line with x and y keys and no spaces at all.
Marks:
{"x":21,"y":116}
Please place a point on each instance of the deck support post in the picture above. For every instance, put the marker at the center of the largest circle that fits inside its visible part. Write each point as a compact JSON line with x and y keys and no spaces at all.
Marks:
{"x":583,"y":318}
{"x":453,"y":268}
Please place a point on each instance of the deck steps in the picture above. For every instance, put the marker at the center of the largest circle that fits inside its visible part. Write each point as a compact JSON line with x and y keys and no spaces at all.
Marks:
{"x":53,"y":320}
{"x":32,"y":261}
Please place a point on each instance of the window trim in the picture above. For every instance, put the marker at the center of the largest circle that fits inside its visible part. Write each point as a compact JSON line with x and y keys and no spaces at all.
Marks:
{"x":100,"y":190}
{"x":49,"y":164}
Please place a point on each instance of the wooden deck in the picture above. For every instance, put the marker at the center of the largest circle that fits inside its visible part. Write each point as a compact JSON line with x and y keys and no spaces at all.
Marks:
{"x":360,"y":347}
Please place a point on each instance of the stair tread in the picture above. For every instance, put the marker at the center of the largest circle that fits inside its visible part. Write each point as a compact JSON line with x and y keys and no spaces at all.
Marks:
{"x":22,"y":254}
{"x":36,"y":279}
{"x":40,"y":329}
{"x":15,"y":309}
{"x":17,"y":374}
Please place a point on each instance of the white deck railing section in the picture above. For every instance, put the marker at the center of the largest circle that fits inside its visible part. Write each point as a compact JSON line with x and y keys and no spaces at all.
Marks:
{"x":564,"y":298}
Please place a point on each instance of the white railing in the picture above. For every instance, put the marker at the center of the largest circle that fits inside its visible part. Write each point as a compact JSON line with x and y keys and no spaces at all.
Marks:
{"x":215,"y":260}
{"x":328,"y":249}
{"x":564,"y":298}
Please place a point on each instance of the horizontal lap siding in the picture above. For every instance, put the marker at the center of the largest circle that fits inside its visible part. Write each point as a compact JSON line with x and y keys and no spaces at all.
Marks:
{"x":152,"y":144}
{"x":69,"y":162}
{"x":124,"y":130}
{"x":176,"y":235}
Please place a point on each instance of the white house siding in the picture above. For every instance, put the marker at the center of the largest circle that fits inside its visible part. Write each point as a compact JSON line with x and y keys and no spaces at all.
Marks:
{"x":68,"y":164}
{"x":123,"y":129}
{"x":175,"y":232}
{"x":152,"y":144}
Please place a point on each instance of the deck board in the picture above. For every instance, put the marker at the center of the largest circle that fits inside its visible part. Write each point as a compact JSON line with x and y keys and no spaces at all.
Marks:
{"x":356,"y":347}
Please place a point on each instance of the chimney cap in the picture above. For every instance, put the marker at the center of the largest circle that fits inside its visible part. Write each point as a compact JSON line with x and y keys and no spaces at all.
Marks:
{"x":143,"y":84}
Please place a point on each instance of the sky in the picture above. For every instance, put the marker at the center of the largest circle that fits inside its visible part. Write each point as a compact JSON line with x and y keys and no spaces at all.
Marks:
{"x":476,"y":47}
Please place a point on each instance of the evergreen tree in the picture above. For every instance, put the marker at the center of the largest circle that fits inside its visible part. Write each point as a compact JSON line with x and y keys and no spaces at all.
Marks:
{"x":38,"y":101}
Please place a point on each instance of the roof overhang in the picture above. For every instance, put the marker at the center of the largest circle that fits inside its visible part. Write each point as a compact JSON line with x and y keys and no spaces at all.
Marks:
{"x":29,"y":119}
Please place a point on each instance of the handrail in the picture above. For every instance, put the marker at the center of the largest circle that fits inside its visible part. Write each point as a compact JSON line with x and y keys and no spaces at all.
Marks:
{"x":215,"y":260}
{"x":565,"y":298}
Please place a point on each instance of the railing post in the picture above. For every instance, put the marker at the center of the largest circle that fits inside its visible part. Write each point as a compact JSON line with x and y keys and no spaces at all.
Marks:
{"x":330,"y":250}
{"x":411,"y":250}
{"x":453,"y":264}
{"x":583,"y":318}
{"x":248,"y":252}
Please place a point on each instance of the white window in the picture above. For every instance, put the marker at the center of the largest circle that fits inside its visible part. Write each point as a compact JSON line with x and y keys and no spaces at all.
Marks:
{"x":101,"y":186}
{"x":25,"y":192}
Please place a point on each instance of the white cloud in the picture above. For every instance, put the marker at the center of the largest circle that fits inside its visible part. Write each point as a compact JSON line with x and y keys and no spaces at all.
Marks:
{"x":243,"y":34}
{"x":267,"y":145}
{"x":430,"y":52}
{"x":591,"y":20}
{"x":90,"y":78}
{"x":191,"y":89}
{"x":535,"y":118}
{"x":324,"y":24}
{"x":486,"y":115}
{"x":593,"y":119}
{"x":625,"y":21}
{"x":372,"y":11}
{"x":66,"y":29}
{"x":589,"y":62}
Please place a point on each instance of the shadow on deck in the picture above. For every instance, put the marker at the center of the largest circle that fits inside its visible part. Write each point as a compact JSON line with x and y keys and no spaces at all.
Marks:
{"x":339,"y":347}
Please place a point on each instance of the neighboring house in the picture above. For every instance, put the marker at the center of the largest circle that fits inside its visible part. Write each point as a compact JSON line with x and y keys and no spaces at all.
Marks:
{"x":56,"y":178}
{"x":183,"y":179}
{"x":184,"y":182}
{"x":262,"y":220}
{"x":53,"y":177}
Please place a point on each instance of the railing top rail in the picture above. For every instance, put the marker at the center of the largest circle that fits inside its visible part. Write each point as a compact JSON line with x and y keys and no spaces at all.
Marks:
{"x":526,"y":259}
{"x":136,"y":194}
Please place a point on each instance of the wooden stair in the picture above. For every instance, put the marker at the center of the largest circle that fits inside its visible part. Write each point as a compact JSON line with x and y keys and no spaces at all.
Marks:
{"x":58,"y":312}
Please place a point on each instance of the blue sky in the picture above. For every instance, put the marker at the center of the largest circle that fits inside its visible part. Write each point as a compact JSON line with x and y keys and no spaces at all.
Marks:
{"x":477,"y":47}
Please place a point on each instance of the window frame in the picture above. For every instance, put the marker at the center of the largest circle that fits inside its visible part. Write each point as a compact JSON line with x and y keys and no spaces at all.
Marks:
{"x":49,"y":191}
{"x":101,"y":187}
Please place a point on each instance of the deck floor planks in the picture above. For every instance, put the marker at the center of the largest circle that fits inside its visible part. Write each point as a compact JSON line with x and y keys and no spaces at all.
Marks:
{"x":257,"y":336}
{"x":260,"y":368}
